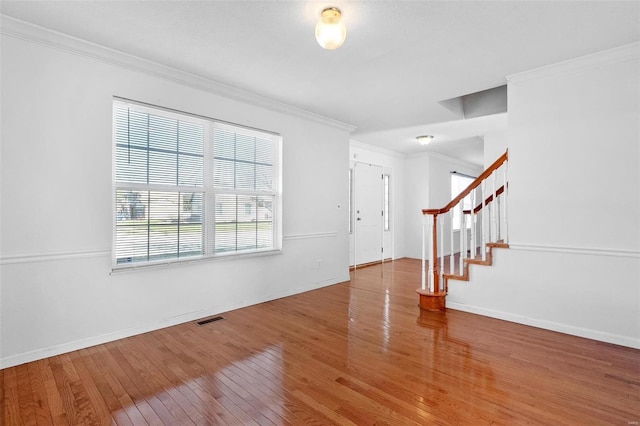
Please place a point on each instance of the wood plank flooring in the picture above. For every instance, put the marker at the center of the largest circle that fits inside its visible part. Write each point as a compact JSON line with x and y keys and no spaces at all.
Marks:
{"x":356,"y":353}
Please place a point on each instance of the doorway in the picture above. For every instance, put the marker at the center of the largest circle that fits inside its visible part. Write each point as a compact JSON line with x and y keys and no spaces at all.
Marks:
{"x":368,"y":213}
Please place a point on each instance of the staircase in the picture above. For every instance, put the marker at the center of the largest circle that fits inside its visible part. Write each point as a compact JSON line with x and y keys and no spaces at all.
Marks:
{"x":480,"y":226}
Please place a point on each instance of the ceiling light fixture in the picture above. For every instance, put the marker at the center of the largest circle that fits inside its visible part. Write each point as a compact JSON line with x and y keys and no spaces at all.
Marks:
{"x":424,"y":139}
{"x":330,"y":30}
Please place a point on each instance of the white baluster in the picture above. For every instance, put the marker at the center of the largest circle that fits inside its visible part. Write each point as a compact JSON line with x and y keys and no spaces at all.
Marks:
{"x":451,"y":259}
{"x":472,"y":216}
{"x":432,"y":260}
{"x":462,"y":234}
{"x":502,"y":197}
{"x":498,"y":217}
{"x":494,"y":220}
{"x":466,"y":235}
{"x":441,"y":251}
{"x":506,"y":193}
{"x":424,"y":237}
{"x":483,"y":218}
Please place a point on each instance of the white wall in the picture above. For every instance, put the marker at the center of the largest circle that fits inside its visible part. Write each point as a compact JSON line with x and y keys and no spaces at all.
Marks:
{"x":56,"y":214}
{"x":428,"y":186}
{"x":392,"y":164}
{"x":574,"y":206}
{"x":416,"y":175}
{"x":495,"y":144}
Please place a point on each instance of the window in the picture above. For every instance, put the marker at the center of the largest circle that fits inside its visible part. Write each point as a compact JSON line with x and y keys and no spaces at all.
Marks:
{"x":186,"y":186}
{"x":459,"y":183}
{"x":385,"y":213}
{"x":243,"y":178}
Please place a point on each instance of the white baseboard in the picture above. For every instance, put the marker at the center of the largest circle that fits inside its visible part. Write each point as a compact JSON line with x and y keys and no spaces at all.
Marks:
{"x":38,"y":354}
{"x":549,"y":325}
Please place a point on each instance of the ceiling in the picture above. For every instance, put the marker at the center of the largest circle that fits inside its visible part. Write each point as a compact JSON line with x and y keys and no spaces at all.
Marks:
{"x":400,"y":59}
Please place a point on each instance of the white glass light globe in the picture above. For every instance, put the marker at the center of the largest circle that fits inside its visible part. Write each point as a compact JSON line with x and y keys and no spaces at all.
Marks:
{"x":330,"y":30}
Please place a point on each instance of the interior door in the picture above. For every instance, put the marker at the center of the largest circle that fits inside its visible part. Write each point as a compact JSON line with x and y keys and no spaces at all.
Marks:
{"x":367,"y":213}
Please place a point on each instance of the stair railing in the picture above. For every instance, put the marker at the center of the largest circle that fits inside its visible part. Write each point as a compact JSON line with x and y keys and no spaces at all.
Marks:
{"x":478,"y":225}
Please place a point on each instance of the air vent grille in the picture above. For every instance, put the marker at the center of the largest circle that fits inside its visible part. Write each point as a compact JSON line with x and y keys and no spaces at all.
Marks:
{"x":209,"y":320}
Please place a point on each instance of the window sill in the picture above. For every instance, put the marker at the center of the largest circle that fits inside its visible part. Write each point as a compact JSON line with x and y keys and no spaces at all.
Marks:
{"x":125,"y":268}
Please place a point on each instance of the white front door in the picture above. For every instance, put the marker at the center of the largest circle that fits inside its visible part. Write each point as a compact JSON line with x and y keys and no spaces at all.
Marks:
{"x":367,"y":213}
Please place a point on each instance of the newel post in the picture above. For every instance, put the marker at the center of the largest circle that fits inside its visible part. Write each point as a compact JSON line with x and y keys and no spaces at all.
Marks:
{"x":434,"y":274}
{"x":432,"y":298}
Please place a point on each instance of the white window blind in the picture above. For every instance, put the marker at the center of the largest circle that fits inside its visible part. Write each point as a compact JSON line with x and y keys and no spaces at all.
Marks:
{"x":245,"y":196}
{"x":187,"y":186}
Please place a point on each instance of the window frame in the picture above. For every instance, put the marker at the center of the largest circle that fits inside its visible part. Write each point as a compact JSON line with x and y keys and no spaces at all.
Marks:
{"x":208,"y":189}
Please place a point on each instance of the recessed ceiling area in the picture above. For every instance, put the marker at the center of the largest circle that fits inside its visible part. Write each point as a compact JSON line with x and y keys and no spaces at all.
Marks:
{"x":461,"y":139}
{"x":400,"y":60}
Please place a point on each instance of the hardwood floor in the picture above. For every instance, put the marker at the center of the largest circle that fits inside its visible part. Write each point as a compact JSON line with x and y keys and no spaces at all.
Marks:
{"x":354,"y":353}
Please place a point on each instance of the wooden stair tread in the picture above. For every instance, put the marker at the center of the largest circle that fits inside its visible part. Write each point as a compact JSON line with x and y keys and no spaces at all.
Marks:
{"x":498,"y":245}
{"x":479,"y":261}
{"x":456,"y":277}
{"x":474,"y":261}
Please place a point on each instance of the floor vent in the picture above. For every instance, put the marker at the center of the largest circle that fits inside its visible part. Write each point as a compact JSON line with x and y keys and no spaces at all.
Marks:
{"x":209,"y":320}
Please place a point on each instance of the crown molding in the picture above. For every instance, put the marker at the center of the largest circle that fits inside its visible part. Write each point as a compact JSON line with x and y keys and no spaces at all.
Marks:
{"x":26,"y":31}
{"x":627,"y":52}
{"x":363,"y":145}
